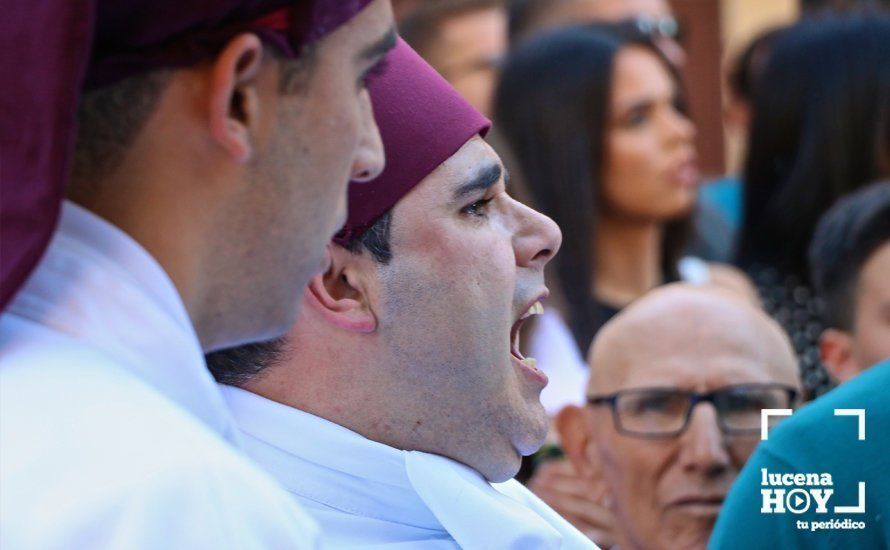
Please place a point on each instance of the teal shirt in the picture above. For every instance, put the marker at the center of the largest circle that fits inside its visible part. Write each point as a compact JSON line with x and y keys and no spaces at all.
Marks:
{"x":814,"y":440}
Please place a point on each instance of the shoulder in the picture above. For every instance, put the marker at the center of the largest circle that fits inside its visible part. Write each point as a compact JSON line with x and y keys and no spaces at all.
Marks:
{"x":816,"y":440}
{"x":94,"y":457}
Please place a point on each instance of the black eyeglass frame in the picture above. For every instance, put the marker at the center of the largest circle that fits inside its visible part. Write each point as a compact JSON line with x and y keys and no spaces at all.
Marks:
{"x":694,"y":399}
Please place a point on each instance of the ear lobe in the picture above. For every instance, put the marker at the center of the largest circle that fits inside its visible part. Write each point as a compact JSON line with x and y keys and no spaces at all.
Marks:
{"x":574,"y":437}
{"x":836,"y":349}
{"x":338,"y":297}
{"x":234,"y":99}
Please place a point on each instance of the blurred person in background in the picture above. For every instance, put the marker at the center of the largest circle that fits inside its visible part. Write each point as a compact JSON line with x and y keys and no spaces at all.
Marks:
{"x":464,"y":40}
{"x":816,"y":6}
{"x":742,"y":80}
{"x":713,"y":235}
{"x":820,"y":130}
{"x":850,"y":265}
{"x":677,"y":383}
{"x":608,"y":153}
{"x":652,"y":17}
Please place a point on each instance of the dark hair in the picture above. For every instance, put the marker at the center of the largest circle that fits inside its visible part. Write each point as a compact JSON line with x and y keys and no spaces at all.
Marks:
{"x":558,"y":133}
{"x":237,"y":366}
{"x":845,"y":238}
{"x":108,"y":121}
{"x":811,"y":6}
{"x":110,"y":118}
{"x":420,"y":28}
{"x":747,"y":69}
{"x":821,"y":128}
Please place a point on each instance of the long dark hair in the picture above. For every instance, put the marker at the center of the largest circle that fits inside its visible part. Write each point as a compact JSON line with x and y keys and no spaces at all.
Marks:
{"x":821,"y":128}
{"x":552,"y":105}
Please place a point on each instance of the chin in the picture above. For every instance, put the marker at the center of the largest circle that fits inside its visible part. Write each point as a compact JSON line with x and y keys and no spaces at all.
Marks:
{"x":534,"y":431}
{"x":503,"y":471}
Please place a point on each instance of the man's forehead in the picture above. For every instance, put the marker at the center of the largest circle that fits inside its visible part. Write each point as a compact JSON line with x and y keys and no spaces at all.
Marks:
{"x":692,"y":369}
{"x":690,"y":337}
{"x":473,"y":167}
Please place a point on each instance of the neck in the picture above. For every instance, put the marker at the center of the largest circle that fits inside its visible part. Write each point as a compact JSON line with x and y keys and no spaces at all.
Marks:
{"x":161,"y":227}
{"x":627,"y":259}
{"x":327,"y":380}
{"x":353,"y":384}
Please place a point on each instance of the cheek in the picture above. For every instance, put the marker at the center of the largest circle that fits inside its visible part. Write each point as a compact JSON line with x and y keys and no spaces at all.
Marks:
{"x":872,"y":333}
{"x":630,"y":170}
{"x":333,"y":131}
{"x":631,"y":468}
{"x":740,"y":450}
{"x":636,"y":183}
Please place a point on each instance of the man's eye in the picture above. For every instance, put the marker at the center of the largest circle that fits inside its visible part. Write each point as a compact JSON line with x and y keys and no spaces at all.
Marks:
{"x":478,"y":208}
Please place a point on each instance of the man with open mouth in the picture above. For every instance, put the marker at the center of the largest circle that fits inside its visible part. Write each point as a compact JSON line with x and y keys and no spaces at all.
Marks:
{"x":396,"y":406}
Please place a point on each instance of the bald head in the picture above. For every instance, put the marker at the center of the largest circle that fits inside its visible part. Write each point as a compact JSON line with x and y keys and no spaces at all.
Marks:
{"x":666,"y":487}
{"x":682,"y":334}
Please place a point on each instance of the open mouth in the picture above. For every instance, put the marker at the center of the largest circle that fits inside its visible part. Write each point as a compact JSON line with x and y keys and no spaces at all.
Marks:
{"x":528,"y":364}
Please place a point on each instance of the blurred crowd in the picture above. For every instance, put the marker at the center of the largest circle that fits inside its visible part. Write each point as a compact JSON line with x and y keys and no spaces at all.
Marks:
{"x":593,"y":122}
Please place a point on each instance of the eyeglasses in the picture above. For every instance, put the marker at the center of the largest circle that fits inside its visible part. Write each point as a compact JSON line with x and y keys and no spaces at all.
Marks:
{"x":657,"y":27}
{"x":665,"y":412}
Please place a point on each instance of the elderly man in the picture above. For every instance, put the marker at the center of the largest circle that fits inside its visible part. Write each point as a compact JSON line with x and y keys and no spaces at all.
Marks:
{"x":677,"y":384}
{"x":399,"y":397}
{"x":215,"y":142}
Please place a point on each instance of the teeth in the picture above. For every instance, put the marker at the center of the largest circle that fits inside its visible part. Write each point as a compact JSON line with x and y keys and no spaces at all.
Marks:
{"x":530,"y":362}
{"x":536,"y":309}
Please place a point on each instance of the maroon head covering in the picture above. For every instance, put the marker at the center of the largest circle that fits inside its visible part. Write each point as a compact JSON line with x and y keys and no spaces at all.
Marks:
{"x":51,"y":49}
{"x":422,"y":121}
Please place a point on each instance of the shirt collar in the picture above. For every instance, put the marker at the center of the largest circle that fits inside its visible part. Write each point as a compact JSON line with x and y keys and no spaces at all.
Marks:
{"x":99,"y":286}
{"x":327,"y":463}
{"x":324,"y":462}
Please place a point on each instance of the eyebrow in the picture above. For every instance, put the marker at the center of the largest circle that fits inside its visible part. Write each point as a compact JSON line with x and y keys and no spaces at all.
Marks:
{"x":483,"y":179}
{"x":379,"y":48}
{"x":632,"y":106}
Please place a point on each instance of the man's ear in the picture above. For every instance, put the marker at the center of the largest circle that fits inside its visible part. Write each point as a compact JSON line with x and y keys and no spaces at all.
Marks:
{"x":234,"y":98}
{"x":340,"y":295}
{"x":574,"y":435}
{"x":836,"y":349}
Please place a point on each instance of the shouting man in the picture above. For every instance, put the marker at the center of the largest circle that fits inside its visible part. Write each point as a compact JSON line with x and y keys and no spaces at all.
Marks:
{"x":398,"y":402}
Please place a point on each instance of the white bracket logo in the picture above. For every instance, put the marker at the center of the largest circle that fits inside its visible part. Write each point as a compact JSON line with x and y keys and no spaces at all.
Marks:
{"x":854,"y":412}
{"x":765,"y":414}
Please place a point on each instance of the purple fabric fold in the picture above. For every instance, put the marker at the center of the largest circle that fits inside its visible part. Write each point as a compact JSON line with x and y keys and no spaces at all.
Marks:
{"x":422,"y":121}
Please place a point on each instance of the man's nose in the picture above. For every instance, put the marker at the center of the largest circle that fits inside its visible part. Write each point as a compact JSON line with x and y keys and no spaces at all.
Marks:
{"x":537,"y":238}
{"x":703,"y":443}
{"x":369,"y":159}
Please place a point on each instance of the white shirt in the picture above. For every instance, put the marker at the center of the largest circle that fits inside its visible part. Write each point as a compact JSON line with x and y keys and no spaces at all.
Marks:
{"x":113,"y":433}
{"x":553,"y":346}
{"x":368,"y":495}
